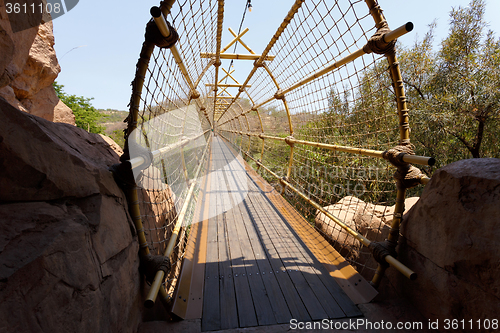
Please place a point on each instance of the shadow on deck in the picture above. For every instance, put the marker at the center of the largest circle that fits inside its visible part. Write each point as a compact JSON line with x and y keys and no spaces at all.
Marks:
{"x":254,"y":261}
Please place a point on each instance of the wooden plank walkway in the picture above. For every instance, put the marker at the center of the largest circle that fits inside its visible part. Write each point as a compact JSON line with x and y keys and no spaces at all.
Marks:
{"x":257,"y":269}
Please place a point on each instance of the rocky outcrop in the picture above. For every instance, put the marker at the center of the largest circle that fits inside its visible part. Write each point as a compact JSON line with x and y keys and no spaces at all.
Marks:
{"x":451,"y":240}
{"x":68,"y":253}
{"x":28,"y":67}
{"x":372,"y":221}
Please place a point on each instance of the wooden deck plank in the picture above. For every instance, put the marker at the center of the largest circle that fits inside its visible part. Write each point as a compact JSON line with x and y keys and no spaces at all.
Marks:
{"x":274,"y":287}
{"x":356,"y":289}
{"x":278,"y":267}
{"x":265,"y":273}
{"x":286,"y":249}
{"x":329,"y":285}
{"x":211,"y":319}
{"x":244,"y":300}
{"x":188,"y":299}
{"x":316,"y":268}
{"x":228,"y":310}
{"x":263,"y":308}
{"x":310,"y":268}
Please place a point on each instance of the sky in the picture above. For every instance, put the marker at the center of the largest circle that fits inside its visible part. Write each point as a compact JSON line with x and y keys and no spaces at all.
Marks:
{"x":98,"y":42}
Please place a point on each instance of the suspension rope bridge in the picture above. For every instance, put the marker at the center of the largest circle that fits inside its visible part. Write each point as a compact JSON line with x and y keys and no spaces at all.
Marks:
{"x":232,"y":193}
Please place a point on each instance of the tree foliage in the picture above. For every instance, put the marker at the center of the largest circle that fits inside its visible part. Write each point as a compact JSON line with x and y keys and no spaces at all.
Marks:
{"x":86,"y":116}
{"x":454,"y":93}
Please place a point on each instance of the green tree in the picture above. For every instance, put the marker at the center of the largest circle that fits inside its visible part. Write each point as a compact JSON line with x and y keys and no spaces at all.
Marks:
{"x":86,"y":116}
{"x":454,"y":94}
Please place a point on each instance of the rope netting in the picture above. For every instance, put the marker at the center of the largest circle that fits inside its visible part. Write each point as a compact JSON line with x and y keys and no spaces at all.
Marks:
{"x":353,"y":105}
{"x":315,"y":121}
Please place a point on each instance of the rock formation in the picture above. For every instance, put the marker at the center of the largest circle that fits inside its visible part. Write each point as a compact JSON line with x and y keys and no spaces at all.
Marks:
{"x":28,"y":67}
{"x":68,"y":252}
{"x":451,"y":240}
{"x":372,"y":221}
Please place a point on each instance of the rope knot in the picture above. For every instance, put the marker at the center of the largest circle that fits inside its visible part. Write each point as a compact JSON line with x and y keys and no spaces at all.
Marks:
{"x":406,"y":175}
{"x":217,"y":63}
{"x":258,"y":64}
{"x":395,"y":155}
{"x":279,"y":94}
{"x":154,"y":35}
{"x":151,"y":264}
{"x":289,"y":140}
{"x":377,"y":44}
{"x":194,"y":94}
{"x":381,"y":250}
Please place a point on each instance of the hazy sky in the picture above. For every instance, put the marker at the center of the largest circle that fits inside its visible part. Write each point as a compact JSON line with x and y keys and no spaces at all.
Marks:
{"x":98,"y":42}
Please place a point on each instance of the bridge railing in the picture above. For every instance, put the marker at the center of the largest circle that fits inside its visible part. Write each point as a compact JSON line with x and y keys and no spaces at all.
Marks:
{"x":329,"y":126}
{"x":324,"y":119}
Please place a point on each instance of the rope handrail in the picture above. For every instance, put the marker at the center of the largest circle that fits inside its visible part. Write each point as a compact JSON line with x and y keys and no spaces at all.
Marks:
{"x":415,"y":159}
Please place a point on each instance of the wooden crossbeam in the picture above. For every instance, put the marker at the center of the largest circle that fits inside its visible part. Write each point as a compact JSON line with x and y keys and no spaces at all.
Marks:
{"x":227,"y":85}
{"x":223,"y":90}
{"x":221,"y":97}
{"x":236,"y":38}
{"x":241,"y":42}
{"x":236,"y":56}
{"x":228,"y":75}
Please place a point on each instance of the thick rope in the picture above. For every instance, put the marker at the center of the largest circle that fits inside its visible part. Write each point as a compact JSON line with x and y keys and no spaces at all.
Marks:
{"x":151,"y":264}
{"x":154,"y":35}
{"x":381,"y":250}
{"x":376,"y":43}
{"x":406,"y":174}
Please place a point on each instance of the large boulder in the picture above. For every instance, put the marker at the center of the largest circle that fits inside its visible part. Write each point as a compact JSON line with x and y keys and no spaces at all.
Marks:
{"x":68,"y":252}
{"x":28,"y":67}
{"x":372,"y":221}
{"x":451,"y":240}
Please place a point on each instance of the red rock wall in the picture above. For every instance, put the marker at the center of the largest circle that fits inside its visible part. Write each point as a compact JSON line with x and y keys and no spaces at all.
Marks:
{"x":28,"y":67}
{"x":451,"y":240}
{"x":68,"y":251}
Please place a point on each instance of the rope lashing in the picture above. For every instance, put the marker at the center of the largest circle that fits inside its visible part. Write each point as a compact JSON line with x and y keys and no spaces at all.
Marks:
{"x":289,"y":140}
{"x":258,"y":64}
{"x":151,"y":264}
{"x":123,"y":175}
{"x":406,"y":174}
{"x":154,"y":35}
{"x":279,"y":94}
{"x":381,"y":250}
{"x":377,"y":44}
{"x":194,"y":94}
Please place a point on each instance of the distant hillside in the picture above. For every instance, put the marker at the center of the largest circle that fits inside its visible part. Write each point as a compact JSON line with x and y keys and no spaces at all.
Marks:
{"x":112,"y":120}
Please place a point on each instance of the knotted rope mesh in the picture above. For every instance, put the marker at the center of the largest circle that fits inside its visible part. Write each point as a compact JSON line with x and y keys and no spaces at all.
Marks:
{"x":353,"y":105}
